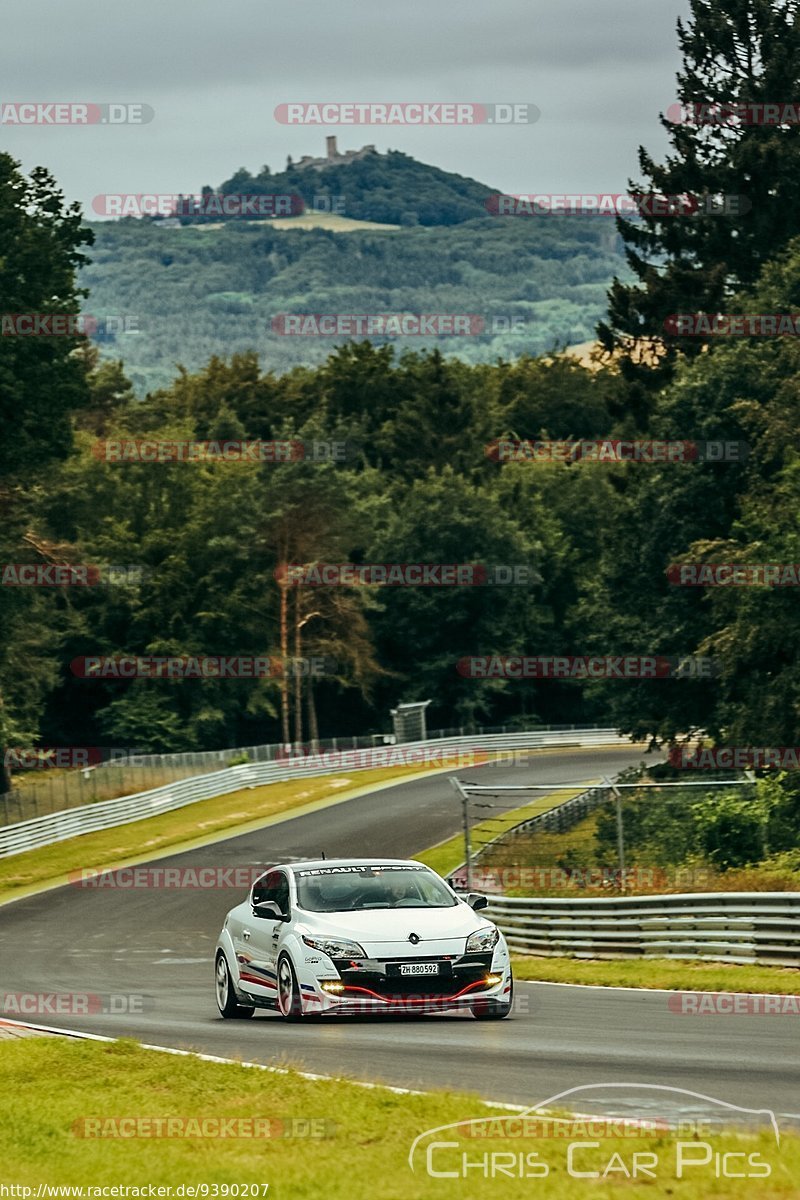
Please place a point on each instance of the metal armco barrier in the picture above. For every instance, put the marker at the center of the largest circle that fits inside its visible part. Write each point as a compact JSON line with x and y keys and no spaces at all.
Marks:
{"x":555,"y":820}
{"x":735,"y":927}
{"x":88,"y":818}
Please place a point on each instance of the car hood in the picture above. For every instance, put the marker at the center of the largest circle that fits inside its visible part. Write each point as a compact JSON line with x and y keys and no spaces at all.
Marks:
{"x":392,"y":926}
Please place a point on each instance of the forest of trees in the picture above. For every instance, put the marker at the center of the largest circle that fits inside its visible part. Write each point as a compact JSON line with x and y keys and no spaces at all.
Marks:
{"x":178,"y":296}
{"x":419,"y":486}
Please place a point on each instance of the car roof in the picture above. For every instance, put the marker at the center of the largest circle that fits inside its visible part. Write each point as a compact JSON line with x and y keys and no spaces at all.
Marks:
{"x":314,"y":863}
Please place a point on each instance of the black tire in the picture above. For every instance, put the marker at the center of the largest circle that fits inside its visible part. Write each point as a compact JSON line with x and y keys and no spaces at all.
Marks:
{"x":290,"y":1003}
{"x":227,"y":1002}
{"x":494,"y":1010}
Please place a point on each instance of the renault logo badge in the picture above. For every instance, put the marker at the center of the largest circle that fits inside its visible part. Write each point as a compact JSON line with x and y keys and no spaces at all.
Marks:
{"x":414,"y":938}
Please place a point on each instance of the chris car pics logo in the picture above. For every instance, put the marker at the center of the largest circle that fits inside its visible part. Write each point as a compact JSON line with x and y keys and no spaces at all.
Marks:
{"x":680,"y":1135}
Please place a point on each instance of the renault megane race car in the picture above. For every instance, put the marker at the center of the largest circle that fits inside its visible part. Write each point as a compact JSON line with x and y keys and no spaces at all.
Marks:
{"x":360,"y":935}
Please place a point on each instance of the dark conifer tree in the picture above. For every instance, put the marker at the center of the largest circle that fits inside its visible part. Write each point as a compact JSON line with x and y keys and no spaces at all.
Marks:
{"x":735,"y":52}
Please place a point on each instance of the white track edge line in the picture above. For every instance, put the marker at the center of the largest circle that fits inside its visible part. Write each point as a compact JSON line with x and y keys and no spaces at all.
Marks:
{"x":236,"y":1062}
{"x":363,"y":1083}
{"x":627,"y":987}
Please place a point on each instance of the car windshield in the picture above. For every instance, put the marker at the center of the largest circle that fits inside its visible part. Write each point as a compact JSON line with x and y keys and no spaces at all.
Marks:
{"x":353,"y":889}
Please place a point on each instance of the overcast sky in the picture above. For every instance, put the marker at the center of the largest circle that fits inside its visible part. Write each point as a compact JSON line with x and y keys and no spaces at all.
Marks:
{"x":599,"y":72}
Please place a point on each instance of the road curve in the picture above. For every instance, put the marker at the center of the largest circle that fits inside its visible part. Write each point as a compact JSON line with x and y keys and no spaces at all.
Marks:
{"x":159,"y":944}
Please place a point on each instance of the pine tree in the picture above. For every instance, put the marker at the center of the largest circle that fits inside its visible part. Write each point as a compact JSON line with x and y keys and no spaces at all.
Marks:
{"x":42,"y":381}
{"x":734,"y":52}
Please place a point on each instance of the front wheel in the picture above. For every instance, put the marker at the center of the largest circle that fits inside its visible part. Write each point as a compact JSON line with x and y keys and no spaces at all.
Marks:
{"x":290,"y":1002}
{"x":227,"y":1003}
{"x":494,"y":1010}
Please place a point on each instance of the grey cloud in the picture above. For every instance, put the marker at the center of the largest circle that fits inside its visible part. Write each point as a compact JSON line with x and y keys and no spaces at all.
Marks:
{"x":599,"y":72}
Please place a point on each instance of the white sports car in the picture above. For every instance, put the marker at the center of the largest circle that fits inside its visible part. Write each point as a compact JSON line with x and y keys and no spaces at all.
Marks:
{"x":360,"y":935}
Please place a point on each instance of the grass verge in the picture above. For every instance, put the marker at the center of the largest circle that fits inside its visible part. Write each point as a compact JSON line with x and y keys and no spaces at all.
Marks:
{"x":448,"y":855}
{"x":49,"y":1086}
{"x":666,"y":973}
{"x":181,"y":829}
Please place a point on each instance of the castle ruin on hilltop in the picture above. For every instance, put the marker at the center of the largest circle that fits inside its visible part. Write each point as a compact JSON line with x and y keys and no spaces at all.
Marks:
{"x":332,"y":156}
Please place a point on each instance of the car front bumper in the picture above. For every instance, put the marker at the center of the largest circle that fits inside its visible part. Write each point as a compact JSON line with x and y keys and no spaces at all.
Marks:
{"x":377,"y":986}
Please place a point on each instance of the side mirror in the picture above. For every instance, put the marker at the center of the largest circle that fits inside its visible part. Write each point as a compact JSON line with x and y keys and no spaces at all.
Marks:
{"x":269,"y":911}
{"x":476,"y":900}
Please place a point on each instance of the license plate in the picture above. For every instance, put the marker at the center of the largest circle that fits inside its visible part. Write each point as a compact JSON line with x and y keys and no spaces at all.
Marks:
{"x":419,"y":968}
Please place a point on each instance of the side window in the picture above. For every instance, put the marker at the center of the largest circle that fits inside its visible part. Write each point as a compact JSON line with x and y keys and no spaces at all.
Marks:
{"x":282,"y":897}
{"x":273,"y":886}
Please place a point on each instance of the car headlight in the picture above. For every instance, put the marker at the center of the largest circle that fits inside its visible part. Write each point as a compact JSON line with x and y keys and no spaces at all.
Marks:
{"x":336,"y":947}
{"x":483,"y":939}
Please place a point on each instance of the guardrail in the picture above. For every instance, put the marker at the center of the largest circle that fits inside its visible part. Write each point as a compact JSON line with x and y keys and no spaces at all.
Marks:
{"x":89,"y":818}
{"x":735,"y":927}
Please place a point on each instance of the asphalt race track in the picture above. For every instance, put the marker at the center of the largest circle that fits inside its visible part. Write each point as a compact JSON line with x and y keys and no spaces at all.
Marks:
{"x":160,"y":943}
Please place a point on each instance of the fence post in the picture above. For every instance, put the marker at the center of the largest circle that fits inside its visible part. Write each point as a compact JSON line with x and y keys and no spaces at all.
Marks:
{"x":467,"y":846}
{"x":620,"y":832}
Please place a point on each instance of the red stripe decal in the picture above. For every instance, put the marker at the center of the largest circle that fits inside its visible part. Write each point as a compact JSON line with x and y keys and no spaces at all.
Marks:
{"x":256,"y":979}
{"x":414,"y":999}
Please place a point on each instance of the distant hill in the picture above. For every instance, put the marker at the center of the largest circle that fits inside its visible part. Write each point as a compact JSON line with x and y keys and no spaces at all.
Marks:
{"x":210,"y":287}
{"x":195,"y":292}
{"x":391,"y":188}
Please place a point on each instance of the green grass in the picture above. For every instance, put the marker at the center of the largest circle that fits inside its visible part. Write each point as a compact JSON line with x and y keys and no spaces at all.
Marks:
{"x":448,"y":855}
{"x":660,"y":973}
{"x":181,"y":829}
{"x":47,"y":1085}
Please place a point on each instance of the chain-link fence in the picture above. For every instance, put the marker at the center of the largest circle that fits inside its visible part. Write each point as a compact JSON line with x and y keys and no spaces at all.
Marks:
{"x":616,"y":838}
{"x":38,"y":792}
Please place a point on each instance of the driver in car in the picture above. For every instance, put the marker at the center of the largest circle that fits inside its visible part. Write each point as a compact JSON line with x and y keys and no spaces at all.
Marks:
{"x":399,"y":890}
